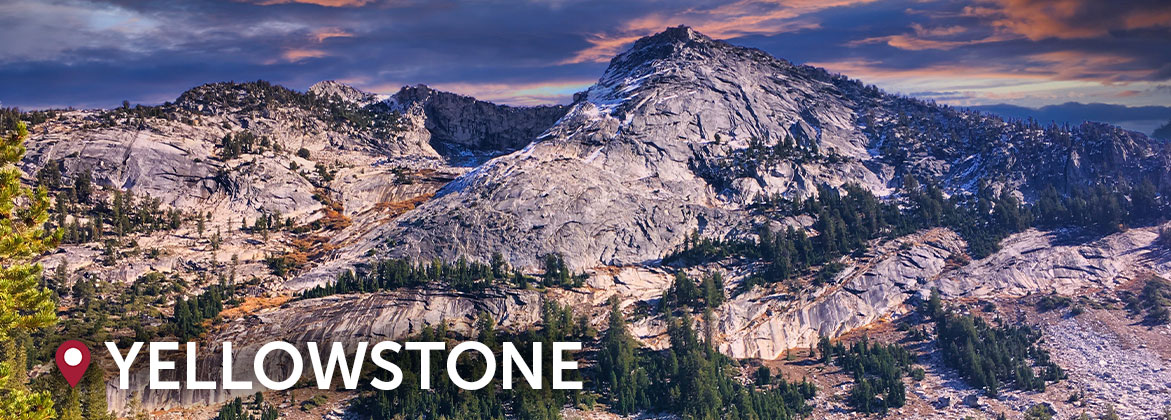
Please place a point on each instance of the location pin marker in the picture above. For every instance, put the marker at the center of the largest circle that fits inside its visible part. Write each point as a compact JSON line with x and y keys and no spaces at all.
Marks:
{"x":72,"y":361}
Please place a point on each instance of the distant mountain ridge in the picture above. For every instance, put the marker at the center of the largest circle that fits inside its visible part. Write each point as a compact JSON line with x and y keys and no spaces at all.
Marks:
{"x":1144,"y":119}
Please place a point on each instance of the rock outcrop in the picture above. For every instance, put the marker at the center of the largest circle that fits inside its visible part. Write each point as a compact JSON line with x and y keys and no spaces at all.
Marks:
{"x":765,"y":325}
{"x":1066,"y":262}
{"x":466,"y":130}
{"x":343,"y":318}
{"x":880,"y":285}
{"x":331,"y":88}
{"x":176,"y":163}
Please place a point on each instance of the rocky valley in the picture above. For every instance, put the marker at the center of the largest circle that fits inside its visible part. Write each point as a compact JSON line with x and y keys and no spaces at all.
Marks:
{"x":701,"y":203}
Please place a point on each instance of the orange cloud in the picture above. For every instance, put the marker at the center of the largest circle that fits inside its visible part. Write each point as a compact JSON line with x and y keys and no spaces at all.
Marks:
{"x":326,"y":33}
{"x":1046,"y":78}
{"x":1102,"y":68}
{"x":931,"y":38}
{"x":744,"y":17}
{"x":923,"y":31}
{"x":910,"y":42}
{"x":921,"y":40}
{"x":298,"y":54}
{"x":1070,"y":19}
{"x":1079,"y":65}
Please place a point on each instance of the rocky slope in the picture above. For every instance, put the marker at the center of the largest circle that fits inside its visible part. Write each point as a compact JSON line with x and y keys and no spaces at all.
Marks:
{"x":174,"y":151}
{"x":346,"y":319}
{"x":886,"y":281}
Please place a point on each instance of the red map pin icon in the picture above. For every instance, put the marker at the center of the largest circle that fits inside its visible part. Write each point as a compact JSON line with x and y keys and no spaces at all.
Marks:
{"x":72,"y":361}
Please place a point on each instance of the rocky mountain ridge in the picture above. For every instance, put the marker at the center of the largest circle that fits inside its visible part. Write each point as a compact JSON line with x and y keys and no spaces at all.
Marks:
{"x":682,"y":133}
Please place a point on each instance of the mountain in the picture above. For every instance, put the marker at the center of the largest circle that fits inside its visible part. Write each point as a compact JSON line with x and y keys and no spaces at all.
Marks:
{"x":1143,"y":119}
{"x":669,"y":169}
{"x":683,"y":133}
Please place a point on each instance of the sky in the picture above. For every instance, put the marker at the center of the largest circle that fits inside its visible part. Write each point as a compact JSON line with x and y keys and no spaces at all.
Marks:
{"x":1028,"y":53}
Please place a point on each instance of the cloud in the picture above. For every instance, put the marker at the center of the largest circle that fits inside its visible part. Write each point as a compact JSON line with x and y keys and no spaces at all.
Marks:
{"x":1104,"y":67}
{"x":1072,"y":19}
{"x":740,"y":18}
{"x":323,"y":34}
{"x":90,"y":26}
{"x":298,"y":54}
{"x":991,"y":82}
{"x":930,"y":38}
{"x":526,"y":52}
{"x":323,"y":3}
{"x":876,"y":70}
{"x":1023,"y":51}
{"x":915,"y":43}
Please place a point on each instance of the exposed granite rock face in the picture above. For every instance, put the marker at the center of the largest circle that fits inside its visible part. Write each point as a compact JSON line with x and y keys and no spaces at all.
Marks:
{"x":328,"y":88}
{"x":175,"y":163}
{"x":461,"y":126}
{"x":597,"y":215}
{"x":682,"y":132}
{"x":763,"y":325}
{"x":174,"y":152}
{"x":1063,"y":262}
{"x":342,"y":318}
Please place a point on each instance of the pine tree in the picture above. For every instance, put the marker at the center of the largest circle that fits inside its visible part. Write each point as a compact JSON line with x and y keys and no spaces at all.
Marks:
{"x":24,"y":307}
{"x":617,"y":362}
{"x":93,"y":395}
{"x":72,"y":408}
{"x":134,"y":407}
{"x":83,"y":186}
{"x":60,"y":276}
{"x":713,"y":289}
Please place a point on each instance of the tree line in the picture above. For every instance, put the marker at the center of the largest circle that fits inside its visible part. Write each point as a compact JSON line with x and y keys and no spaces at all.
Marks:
{"x":85,"y":216}
{"x":847,"y":220}
{"x":237,"y":410}
{"x":462,"y":275}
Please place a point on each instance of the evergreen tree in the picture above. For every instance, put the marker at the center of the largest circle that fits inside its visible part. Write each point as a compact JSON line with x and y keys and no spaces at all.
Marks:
{"x":72,"y":408}
{"x":93,"y":394}
{"x":83,"y":186}
{"x":713,"y":289}
{"x":24,"y":306}
{"x":134,"y":407}
{"x":618,"y":370}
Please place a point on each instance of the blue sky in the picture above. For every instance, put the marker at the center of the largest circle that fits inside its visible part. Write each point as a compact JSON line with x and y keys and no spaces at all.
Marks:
{"x":96,"y":53}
